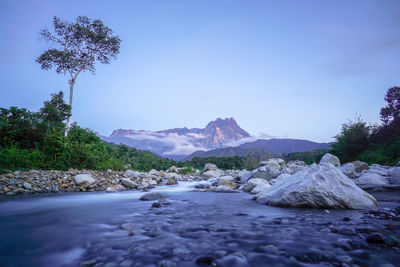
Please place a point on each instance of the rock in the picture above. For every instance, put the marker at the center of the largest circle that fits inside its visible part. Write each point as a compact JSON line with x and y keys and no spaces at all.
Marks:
{"x":27,"y":185}
{"x":391,"y":241}
{"x":360,"y":165}
{"x":204,"y":260}
{"x":129,"y":183}
{"x":344,"y":230}
{"x":295,"y":165}
{"x":395,"y":175}
{"x":152,"y":196}
{"x":280,"y":177}
{"x":344,"y":259}
{"x":171,"y":181}
{"x":154,"y":172}
{"x":110,"y":190}
{"x":377,"y":169}
{"x":84,"y":180}
{"x":224,"y":189}
{"x":375,"y":239}
{"x":317,"y":186}
{"x":260,"y":187}
{"x":329,"y":158}
{"x":131,"y":173}
{"x":278,"y":161}
{"x":210,"y":174}
{"x":227,"y":181}
{"x":210,"y":167}
{"x":245,"y":177}
{"x":261,"y":173}
{"x":252,"y":183}
{"x":128,"y":226}
{"x":170,"y":175}
{"x":371,"y":180}
{"x":349,"y":170}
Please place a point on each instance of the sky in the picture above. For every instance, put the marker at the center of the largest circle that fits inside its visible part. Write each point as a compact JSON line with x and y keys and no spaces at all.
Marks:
{"x":296,"y":69}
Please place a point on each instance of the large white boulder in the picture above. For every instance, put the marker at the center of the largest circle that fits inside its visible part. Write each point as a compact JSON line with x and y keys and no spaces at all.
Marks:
{"x":210,"y":167}
{"x":348,"y":169}
{"x":371,"y":180}
{"x":329,"y":158}
{"x":84,"y":180}
{"x":317,"y":186}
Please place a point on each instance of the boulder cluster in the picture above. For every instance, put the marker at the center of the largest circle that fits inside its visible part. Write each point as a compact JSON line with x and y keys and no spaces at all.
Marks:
{"x":294,"y":184}
{"x":40,"y":181}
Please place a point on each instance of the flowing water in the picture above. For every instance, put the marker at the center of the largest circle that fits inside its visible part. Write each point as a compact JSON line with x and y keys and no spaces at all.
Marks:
{"x":117,"y":229}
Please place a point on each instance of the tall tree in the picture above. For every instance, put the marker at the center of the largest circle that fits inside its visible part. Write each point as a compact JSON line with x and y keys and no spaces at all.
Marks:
{"x":392,"y":110}
{"x":79,"y":46}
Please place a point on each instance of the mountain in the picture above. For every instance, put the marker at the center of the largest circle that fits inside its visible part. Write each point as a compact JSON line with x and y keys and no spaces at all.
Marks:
{"x":273,"y":147}
{"x":179,"y":142}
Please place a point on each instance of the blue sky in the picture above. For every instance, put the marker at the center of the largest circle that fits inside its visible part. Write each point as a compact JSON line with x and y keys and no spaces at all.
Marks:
{"x":294,"y":69}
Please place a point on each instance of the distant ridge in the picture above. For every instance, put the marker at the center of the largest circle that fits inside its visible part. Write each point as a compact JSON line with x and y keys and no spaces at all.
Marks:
{"x":273,"y":147}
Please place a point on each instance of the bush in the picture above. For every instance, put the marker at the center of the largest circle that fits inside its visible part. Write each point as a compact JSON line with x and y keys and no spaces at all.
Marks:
{"x":352,"y":141}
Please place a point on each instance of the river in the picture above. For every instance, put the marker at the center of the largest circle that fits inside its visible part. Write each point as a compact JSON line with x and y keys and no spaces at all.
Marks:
{"x":117,"y":229}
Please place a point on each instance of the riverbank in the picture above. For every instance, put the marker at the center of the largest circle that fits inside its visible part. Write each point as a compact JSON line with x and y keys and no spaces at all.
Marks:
{"x":40,"y":181}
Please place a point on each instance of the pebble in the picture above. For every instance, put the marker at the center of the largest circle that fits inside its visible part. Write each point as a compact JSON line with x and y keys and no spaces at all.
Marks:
{"x":375,"y":239}
{"x":204,"y":260}
{"x":346,"y":230}
{"x":344,"y":259}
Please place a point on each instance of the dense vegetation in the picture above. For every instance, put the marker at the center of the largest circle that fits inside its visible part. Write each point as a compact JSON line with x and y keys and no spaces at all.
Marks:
{"x":35,"y":140}
{"x":373,"y":144}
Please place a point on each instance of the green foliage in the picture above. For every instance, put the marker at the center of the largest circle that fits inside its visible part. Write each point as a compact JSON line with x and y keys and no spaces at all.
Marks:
{"x":187,"y":170}
{"x":54,"y":112}
{"x":309,"y":157}
{"x":80,"y":45}
{"x":391,"y":111}
{"x":223,"y":163}
{"x":35,"y":140}
{"x":378,"y":144}
{"x":351,"y":141}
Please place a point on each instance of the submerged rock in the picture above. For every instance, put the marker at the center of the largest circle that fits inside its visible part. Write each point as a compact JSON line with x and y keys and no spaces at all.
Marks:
{"x":152,"y":196}
{"x":317,"y":186}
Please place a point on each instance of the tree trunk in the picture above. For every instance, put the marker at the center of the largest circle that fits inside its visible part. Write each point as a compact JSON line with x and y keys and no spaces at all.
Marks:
{"x":71,"y":93}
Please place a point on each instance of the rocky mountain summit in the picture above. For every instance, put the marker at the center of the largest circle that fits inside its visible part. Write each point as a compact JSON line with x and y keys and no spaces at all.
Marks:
{"x":180,"y":141}
{"x":221,"y":137}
